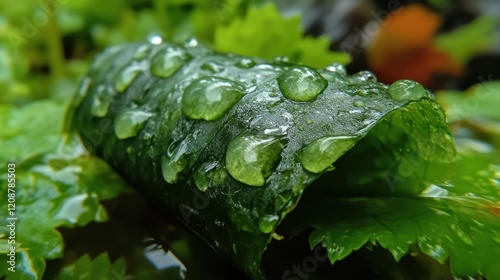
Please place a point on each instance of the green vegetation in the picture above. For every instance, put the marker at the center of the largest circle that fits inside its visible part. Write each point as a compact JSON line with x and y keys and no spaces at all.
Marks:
{"x":371,"y":172}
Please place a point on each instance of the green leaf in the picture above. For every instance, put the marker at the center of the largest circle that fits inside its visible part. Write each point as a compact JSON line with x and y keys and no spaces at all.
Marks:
{"x":99,"y":268}
{"x":480,"y":100}
{"x":457,"y":221}
{"x":265,"y":33}
{"x":470,"y":39}
{"x":234,"y":178}
{"x":464,"y":229}
{"x":51,"y":194}
{"x":30,"y":130}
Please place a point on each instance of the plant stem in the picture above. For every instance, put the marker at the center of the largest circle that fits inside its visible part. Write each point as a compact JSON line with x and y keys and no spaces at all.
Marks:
{"x":55,"y":49}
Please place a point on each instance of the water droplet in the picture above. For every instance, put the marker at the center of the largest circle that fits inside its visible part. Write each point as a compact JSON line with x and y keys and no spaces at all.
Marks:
{"x":245,"y":63}
{"x":301,"y":83}
{"x":209,"y":98}
{"x":128,"y":123}
{"x":321,"y":153}
{"x":82,"y":91}
{"x":155,"y":38}
{"x":433,"y":249}
{"x":213,"y":67}
{"x":141,"y":52}
{"x":337,"y":68}
{"x":267,"y":223}
{"x":462,"y":234}
{"x":406,"y":90}
{"x":330,"y":76}
{"x":251,"y":158}
{"x":126,"y":77}
{"x":361,"y":91}
{"x":281,"y":59}
{"x":208,"y":174}
{"x":174,"y":161}
{"x":191,"y":43}
{"x":359,"y":103}
{"x":166,"y":62}
{"x":101,"y":101}
{"x":365,"y":76}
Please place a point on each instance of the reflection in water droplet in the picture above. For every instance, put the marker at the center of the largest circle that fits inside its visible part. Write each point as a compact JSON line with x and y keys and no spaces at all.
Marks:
{"x":101,"y":101}
{"x":245,"y":63}
{"x":301,"y":83}
{"x":337,"y":68}
{"x":267,"y":223}
{"x":142,"y":52}
{"x":406,"y":90}
{"x":128,"y":123}
{"x":251,"y":158}
{"x":365,"y":76}
{"x":174,"y":161}
{"x":321,"y":153}
{"x":166,"y":62}
{"x":209,"y":98}
{"x":126,"y":77}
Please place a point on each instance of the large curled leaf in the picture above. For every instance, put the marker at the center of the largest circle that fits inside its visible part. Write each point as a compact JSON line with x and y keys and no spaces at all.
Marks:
{"x":232,"y":177}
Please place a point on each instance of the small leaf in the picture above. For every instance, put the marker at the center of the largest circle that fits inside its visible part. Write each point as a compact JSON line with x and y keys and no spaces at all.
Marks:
{"x":265,"y":33}
{"x":470,"y":39}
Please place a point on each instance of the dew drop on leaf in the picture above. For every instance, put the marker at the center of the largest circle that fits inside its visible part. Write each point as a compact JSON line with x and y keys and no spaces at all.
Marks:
{"x":191,"y":43}
{"x":281,"y":59}
{"x":364,"y":76}
{"x":174,"y":161}
{"x":321,"y":153}
{"x":462,"y":235}
{"x":101,"y":101}
{"x":213,"y":67}
{"x":359,"y":103}
{"x":251,"y":158}
{"x":128,"y":123}
{"x":155,"y":38}
{"x":166,"y":62}
{"x":301,"y":83}
{"x":245,"y":63}
{"x":361,"y":92}
{"x":337,"y":68}
{"x":141,"y":52}
{"x":82,"y":91}
{"x":126,"y":77}
{"x":203,"y":176}
{"x":267,"y":223}
{"x":406,"y":90}
{"x":209,"y":98}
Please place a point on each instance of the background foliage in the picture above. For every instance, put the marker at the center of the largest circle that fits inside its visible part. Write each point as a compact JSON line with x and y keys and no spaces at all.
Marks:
{"x":65,"y":197}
